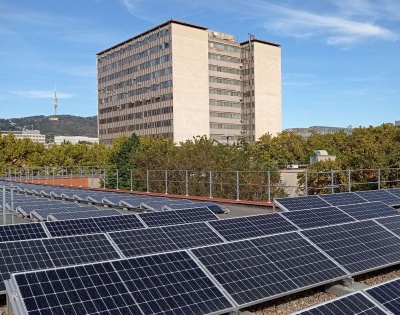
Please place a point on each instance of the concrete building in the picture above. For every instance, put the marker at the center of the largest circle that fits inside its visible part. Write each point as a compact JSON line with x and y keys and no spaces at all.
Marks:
{"x":34,"y":135}
{"x":74,"y":139}
{"x":182,"y":80}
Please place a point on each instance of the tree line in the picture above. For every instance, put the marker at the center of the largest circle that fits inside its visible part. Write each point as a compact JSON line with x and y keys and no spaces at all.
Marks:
{"x":367,"y":148}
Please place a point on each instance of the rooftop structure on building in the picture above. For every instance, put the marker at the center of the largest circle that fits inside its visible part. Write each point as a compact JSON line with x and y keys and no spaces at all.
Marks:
{"x":182,"y":80}
{"x":34,"y":135}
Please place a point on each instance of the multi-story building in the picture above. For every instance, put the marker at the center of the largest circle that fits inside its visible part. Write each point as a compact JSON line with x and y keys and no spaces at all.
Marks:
{"x":322,"y":130}
{"x":182,"y":80}
{"x":34,"y":135}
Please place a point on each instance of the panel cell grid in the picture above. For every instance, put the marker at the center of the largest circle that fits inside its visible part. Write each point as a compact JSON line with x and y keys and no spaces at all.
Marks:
{"x":391,"y":223}
{"x":66,"y":251}
{"x":89,"y":289}
{"x":15,"y":232}
{"x":20,"y":256}
{"x":263,"y":268}
{"x":388,"y":294}
{"x":359,"y":246}
{"x":355,"y":304}
{"x":252,"y":226}
{"x":170,"y":284}
{"x":198,"y":214}
{"x":118,"y":223}
{"x":369,"y":210}
{"x":301,"y":203}
{"x":342,"y":199}
{"x":306,"y":219}
{"x":380,"y":195}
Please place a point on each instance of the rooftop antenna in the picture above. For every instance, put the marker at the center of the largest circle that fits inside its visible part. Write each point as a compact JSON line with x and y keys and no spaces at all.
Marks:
{"x":55,"y":100}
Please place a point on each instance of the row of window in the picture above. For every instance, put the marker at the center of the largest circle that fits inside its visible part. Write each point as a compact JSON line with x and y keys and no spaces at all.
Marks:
{"x":225,"y":138}
{"x":225,"y":81}
{"x":223,"y":58}
{"x":225,"y":92}
{"x":144,"y":65}
{"x":225,"y":103}
{"x":135,"y":44}
{"x":138,"y":91}
{"x":139,"y":115}
{"x":225,"y":126}
{"x":225,"y":47}
{"x":226,"y":115}
{"x":224,"y":69}
{"x":139,"y":79}
{"x":137,"y":103}
{"x":139,"y":55}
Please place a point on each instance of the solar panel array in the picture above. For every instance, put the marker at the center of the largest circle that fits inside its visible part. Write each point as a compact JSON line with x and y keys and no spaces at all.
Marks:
{"x":358,"y":247}
{"x":370,"y":210}
{"x":15,"y":232}
{"x":82,"y":214}
{"x":387,"y":294}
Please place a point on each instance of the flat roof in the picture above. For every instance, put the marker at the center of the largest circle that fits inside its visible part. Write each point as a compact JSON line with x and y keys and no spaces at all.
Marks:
{"x":260,"y":41}
{"x":153,"y":29}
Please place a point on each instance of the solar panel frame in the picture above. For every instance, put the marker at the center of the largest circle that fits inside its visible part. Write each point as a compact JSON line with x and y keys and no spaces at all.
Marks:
{"x":380,"y":195}
{"x":41,"y":214}
{"x":340,"y":199}
{"x":15,"y":232}
{"x":358,"y":246}
{"x":177,"y":283}
{"x":301,"y":203}
{"x":356,"y":303}
{"x":311,"y":218}
{"x":369,"y":210}
{"x":387,"y":294}
{"x":80,"y":214}
{"x":245,"y":271}
{"x":233,"y":229}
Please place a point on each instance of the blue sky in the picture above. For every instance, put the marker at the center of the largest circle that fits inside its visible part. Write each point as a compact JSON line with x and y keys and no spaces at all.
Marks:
{"x":340,"y":58}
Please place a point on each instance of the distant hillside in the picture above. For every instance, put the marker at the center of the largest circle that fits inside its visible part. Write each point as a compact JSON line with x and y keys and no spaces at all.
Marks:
{"x":67,"y":125}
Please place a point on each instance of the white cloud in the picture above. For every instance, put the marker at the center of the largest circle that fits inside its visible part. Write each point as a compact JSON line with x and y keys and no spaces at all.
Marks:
{"x":42,"y":94}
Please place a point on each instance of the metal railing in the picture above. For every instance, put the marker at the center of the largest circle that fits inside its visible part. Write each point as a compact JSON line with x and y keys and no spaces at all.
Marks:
{"x":239,"y":185}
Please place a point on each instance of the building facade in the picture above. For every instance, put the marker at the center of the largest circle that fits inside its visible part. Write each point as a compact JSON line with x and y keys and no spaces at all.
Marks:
{"x":34,"y":135}
{"x":181,"y":80}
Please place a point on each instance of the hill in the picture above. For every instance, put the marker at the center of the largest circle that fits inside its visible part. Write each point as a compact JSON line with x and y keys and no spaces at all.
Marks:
{"x":67,"y":125}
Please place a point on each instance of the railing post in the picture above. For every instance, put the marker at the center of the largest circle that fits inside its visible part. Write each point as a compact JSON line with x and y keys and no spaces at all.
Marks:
{"x":186,"y":183}
{"x":53,"y":176}
{"x":379,"y":178}
{"x":210,"y":184}
{"x":92,"y":178}
{"x":104,"y":179}
{"x":237,"y":186}
{"x":147,"y":181}
{"x":4,"y":206}
{"x":81,"y":177}
{"x":131,"y":179}
{"x":70,"y":177}
{"x":306,"y":183}
{"x":117,"y":179}
{"x":12,"y":204}
{"x":269,"y":186}
{"x":62,"y":176}
{"x":349,"y":179}
{"x":166,"y":182}
{"x":332,"y":182}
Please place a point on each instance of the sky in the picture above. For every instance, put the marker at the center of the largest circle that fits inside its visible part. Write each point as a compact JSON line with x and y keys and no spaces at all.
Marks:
{"x":340,"y":58}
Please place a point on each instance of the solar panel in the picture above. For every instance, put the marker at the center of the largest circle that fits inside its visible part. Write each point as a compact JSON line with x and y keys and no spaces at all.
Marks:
{"x":252,"y":226}
{"x":387,"y":294}
{"x":88,"y":289}
{"x":359,"y":246}
{"x":391,"y":223}
{"x":173,"y":217}
{"x":379,"y":195}
{"x":301,"y":203}
{"x":342,"y":199}
{"x":263,"y":268}
{"x":305,"y":219}
{"x":93,"y":225}
{"x":42,"y":214}
{"x":163,"y":239}
{"x":394,"y":191}
{"x":24,"y":231}
{"x":81,"y":214}
{"x":355,"y":304}
{"x":19,"y":256}
{"x":369,"y":210}
{"x":171,"y":284}
{"x":81,"y":249}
